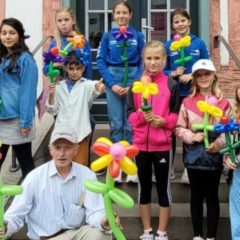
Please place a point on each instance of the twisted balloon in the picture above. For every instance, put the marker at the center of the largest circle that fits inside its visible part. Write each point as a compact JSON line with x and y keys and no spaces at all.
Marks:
{"x":145,"y":88}
{"x":227,"y":126}
{"x":179,"y":44}
{"x":115,"y":157}
{"x":208,"y":108}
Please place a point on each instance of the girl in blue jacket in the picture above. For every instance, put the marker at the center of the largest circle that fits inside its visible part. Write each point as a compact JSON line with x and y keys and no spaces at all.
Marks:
{"x":181,"y":22}
{"x":18,"y":92}
{"x":111,"y":66}
{"x":66,"y":24}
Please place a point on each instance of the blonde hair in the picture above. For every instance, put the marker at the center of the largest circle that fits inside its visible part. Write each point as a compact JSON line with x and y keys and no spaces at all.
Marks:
{"x":155,"y":44}
{"x":74,"y":27}
{"x":236,"y":106}
{"x":215,"y":90}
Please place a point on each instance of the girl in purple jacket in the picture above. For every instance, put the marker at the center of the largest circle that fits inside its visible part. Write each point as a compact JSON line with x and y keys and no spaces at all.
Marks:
{"x":152,"y":131}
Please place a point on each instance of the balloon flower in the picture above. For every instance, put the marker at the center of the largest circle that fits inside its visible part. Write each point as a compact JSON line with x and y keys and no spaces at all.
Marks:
{"x":7,"y":190}
{"x":115,"y":157}
{"x":208,"y":108}
{"x":179,"y":44}
{"x":227,"y":126}
{"x":123,"y":34}
{"x":76,"y":41}
{"x":50,"y":57}
{"x":146,"y":88}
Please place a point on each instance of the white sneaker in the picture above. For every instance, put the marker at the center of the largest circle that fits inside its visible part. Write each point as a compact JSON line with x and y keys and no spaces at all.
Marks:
{"x":210,"y":238}
{"x":132,"y":178}
{"x":184,"y":178}
{"x":118,"y":179}
{"x":153,"y":178}
{"x":172,"y":174}
{"x":198,"y":238}
{"x":159,"y":237}
{"x":147,"y":236}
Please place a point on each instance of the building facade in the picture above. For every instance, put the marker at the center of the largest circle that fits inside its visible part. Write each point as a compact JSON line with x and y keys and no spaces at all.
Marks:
{"x":211,"y":20}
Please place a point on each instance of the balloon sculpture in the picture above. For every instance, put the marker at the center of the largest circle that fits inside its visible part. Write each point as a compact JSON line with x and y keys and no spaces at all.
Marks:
{"x":114,"y":157}
{"x":50,"y":57}
{"x":123,"y":34}
{"x":146,"y":88}
{"x":6,"y":190}
{"x":227,"y":126}
{"x":54,"y":55}
{"x":208,"y":107}
{"x":179,"y":44}
{"x":76,"y":41}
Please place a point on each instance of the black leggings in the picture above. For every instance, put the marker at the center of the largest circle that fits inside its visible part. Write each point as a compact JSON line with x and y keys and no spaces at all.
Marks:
{"x":160,"y":161}
{"x":24,"y":155}
{"x":204,"y":185}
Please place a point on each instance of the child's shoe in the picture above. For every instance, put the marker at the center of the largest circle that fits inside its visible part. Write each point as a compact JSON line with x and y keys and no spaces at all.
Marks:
{"x":132,"y":178}
{"x":147,"y":236}
{"x":198,"y":238}
{"x":161,"y":237}
{"x":118,"y":179}
{"x":184,"y":178}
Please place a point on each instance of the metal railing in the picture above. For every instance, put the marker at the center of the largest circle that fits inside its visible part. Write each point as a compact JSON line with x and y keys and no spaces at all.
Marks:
{"x":15,"y":166}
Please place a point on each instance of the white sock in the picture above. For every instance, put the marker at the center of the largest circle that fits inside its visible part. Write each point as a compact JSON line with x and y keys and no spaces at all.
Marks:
{"x":148,"y":230}
{"x":161,"y":233}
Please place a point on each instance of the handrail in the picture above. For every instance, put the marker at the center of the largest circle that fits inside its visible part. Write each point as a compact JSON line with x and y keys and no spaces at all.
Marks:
{"x":41,"y":44}
{"x":231,"y":52}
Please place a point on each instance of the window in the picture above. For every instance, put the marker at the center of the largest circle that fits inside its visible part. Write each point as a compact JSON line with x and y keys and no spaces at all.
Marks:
{"x":98,"y":20}
{"x":159,"y":17}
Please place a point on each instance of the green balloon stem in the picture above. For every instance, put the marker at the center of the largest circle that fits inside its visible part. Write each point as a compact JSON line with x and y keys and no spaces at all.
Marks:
{"x":65,"y":51}
{"x":145,"y":106}
{"x":111,"y":218}
{"x":125,"y":80}
{"x":7,"y":190}
{"x":182,"y":55}
{"x":205,"y":131}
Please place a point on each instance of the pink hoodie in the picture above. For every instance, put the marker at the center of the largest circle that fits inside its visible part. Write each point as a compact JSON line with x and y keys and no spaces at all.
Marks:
{"x":166,"y":105}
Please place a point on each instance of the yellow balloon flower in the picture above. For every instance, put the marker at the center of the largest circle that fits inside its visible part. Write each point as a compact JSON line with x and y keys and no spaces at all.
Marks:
{"x":182,"y":42}
{"x":145,"y":87}
{"x":209,"y":108}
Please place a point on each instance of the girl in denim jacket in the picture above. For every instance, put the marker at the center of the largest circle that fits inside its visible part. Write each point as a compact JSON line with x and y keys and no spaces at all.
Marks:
{"x":18,"y":92}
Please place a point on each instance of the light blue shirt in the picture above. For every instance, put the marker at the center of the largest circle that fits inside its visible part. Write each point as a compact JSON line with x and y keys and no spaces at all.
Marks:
{"x":50,"y":203}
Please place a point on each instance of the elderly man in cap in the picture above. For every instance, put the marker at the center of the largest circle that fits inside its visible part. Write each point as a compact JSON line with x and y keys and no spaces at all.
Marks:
{"x":54,"y":203}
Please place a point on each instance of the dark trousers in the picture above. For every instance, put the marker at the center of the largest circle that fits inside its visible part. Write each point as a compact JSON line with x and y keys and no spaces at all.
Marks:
{"x":24,"y":155}
{"x":161,"y":162}
{"x":204,"y":185}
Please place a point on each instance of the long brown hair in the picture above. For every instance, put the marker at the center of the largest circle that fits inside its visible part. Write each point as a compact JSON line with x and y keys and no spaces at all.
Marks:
{"x":236,"y":105}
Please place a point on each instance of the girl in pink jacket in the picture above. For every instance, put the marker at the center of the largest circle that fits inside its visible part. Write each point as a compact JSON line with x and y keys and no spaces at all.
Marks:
{"x":152,"y":131}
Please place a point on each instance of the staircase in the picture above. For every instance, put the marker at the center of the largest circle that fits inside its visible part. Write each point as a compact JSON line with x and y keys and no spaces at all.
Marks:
{"x":180,"y":227}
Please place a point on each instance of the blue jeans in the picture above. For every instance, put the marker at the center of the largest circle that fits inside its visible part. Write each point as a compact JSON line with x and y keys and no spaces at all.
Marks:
{"x":117,"y":106}
{"x":117,"y":114}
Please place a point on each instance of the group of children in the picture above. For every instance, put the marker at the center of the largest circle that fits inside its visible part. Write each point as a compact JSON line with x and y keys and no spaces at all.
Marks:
{"x":174,"y":110}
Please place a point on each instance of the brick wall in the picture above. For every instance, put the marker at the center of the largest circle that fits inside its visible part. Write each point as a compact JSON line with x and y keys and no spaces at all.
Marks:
{"x":229,"y":76}
{"x":2,"y":9}
{"x":50,"y":7}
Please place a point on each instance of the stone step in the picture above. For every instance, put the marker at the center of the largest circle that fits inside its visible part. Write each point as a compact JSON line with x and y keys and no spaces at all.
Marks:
{"x":179,"y":228}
